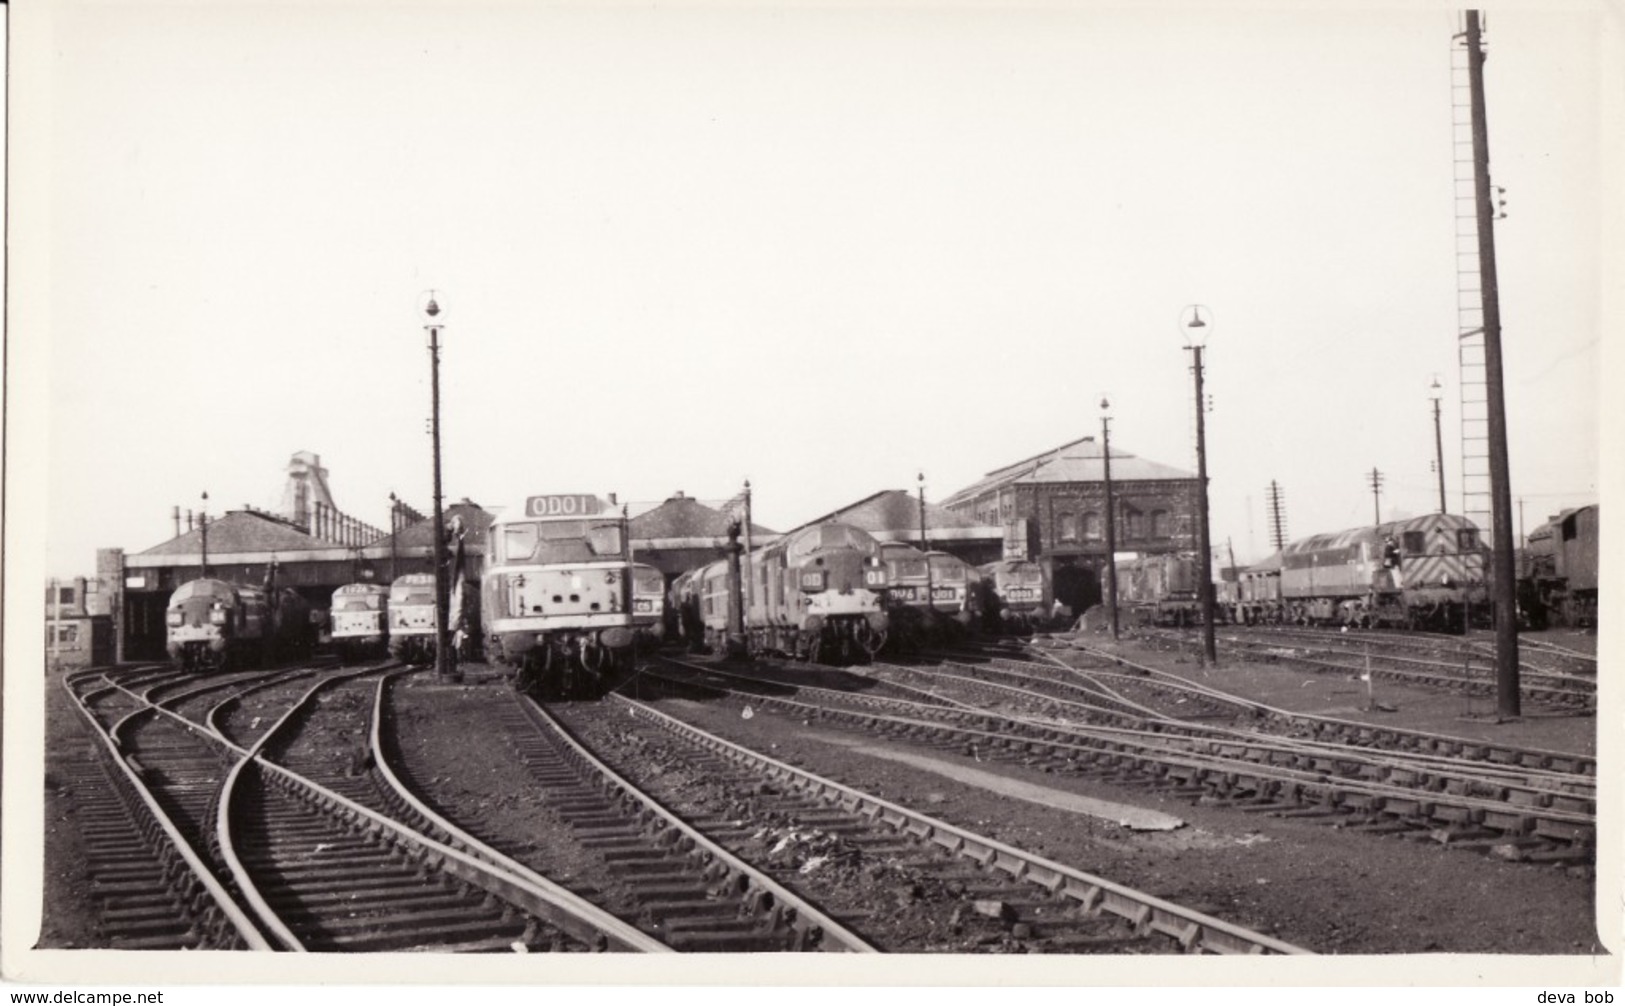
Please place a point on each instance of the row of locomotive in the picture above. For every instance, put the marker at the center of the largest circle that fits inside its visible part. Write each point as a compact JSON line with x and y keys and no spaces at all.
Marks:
{"x":1423,"y":573}
{"x":368,"y":620}
{"x":833,"y":592}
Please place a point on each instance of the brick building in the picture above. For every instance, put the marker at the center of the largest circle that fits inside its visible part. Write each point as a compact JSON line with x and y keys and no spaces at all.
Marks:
{"x":1052,"y":509}
{"x":78,"y":623}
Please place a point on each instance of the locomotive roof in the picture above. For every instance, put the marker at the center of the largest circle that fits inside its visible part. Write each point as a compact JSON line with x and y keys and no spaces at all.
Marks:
{"x":1353,"y":536}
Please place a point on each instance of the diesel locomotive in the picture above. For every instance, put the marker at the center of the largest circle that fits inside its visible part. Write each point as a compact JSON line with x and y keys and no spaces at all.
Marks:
{"x":212,"y":625}
{"x":1012,"y":595}
{"x":557,"y":595}
{"x":359,"y":621}
{"x":816,"y":594}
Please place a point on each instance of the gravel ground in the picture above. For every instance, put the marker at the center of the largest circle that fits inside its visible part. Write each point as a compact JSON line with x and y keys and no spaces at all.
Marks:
{"x":1327,"y":889}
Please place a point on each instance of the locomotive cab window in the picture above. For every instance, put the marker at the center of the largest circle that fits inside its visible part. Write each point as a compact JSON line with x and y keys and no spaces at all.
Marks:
{"x":1413,"y":542}
{"x":1467,"y":539}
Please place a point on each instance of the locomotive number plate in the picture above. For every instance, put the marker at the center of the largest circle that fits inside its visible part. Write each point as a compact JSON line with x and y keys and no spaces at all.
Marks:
{"x":812,"y":581}
{"x":944,"y":593}
{"x":1023,"y":594}
{"x":903,"y":593}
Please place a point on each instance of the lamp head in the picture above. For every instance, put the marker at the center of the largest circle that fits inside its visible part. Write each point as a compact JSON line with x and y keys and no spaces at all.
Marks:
{"x":431,"y":306}
{"x":1195,"y":326}
{"x":1436,"y":391}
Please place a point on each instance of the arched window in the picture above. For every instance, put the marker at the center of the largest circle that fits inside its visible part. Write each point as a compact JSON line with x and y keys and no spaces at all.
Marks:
{"x":1135,"y":521}
{"x":1159,"y":523}
{"x":1091,"y":526}
{"x":1069,"y":527}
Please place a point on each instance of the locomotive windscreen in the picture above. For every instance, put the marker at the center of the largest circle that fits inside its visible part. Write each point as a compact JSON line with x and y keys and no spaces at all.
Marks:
{"x":559,"y":541}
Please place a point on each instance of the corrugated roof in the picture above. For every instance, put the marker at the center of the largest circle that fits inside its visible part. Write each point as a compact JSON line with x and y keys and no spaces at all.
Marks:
{"x":241,"y":531}
{"x":1079,"y":461}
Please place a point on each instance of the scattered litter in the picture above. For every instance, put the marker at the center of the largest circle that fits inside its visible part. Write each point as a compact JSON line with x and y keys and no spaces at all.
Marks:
{"x":518,"y":947}
{"x":321,"y":847}
{"x":747,"y":713}
{"x":813,"y":864}
{"x":993,"y":909}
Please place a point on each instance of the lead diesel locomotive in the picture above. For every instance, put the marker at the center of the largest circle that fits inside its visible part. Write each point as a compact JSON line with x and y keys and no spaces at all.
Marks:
{"x":556,"y":595}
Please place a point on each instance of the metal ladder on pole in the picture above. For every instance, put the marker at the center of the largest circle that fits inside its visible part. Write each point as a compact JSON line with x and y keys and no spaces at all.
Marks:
{"x":1472,"y":375}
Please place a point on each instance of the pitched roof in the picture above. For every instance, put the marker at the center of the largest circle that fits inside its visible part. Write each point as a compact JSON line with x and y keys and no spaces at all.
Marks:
{"x":476,"y":522}
{"x":684,"y":517}
{"x":1079,"y":461}
{"x":894,"y":510}
{"x":241,"y":531}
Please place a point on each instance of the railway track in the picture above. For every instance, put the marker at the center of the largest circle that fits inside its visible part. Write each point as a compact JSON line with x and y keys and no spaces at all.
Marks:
{"x":1536,"y":815}
{"x":1464,"y":666}
{"x":769,"y":803}
{"x":283,"y":862}
{"x":1170,"y":696}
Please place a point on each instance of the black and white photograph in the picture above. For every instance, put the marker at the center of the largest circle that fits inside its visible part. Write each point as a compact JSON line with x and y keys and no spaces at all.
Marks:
{"x":1068,"y":493}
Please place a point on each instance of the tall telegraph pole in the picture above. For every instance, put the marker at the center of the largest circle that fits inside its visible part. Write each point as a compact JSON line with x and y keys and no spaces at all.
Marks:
{"x":1508,"y":701}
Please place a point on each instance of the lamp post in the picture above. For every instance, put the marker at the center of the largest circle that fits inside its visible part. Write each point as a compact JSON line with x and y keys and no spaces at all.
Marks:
{"x":1196,"y":333}
{"x":1435,"y":393}
{"x":394,"y":529}
{"x":925,"y":546}
{"x":442,"y":656}
{"x":203,"y":528}
{"x":1111,"y":524}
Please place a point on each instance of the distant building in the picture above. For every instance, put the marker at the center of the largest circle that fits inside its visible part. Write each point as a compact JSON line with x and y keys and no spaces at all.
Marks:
{"x":1051,"y":508}
{"x":894,"y":515}
{"x":683,"y":533}
{"x":78,"y":623}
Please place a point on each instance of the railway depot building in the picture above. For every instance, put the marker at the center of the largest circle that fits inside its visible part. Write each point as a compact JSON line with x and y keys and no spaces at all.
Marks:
{"x":895,"y":515}
{"x":1052,"y":509}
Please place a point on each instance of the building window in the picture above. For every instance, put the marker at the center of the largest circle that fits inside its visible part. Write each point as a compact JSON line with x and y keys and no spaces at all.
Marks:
{"x":67,"y":634}
{"x":1159,"y":523}
{"x":1069,"y":527}
{"x":1091,"y":526}
{"x":64,"y":595}
{"x":1134,"y":522}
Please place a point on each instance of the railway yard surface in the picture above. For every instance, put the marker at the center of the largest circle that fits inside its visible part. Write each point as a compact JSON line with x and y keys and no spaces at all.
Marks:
{"x":922,"y":736}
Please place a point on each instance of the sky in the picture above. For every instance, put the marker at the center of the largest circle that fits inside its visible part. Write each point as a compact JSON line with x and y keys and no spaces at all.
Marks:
{"x":822,"y":248}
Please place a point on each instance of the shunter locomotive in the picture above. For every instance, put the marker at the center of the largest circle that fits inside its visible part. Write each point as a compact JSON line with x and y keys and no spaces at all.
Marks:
{"x":556,"y":595}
